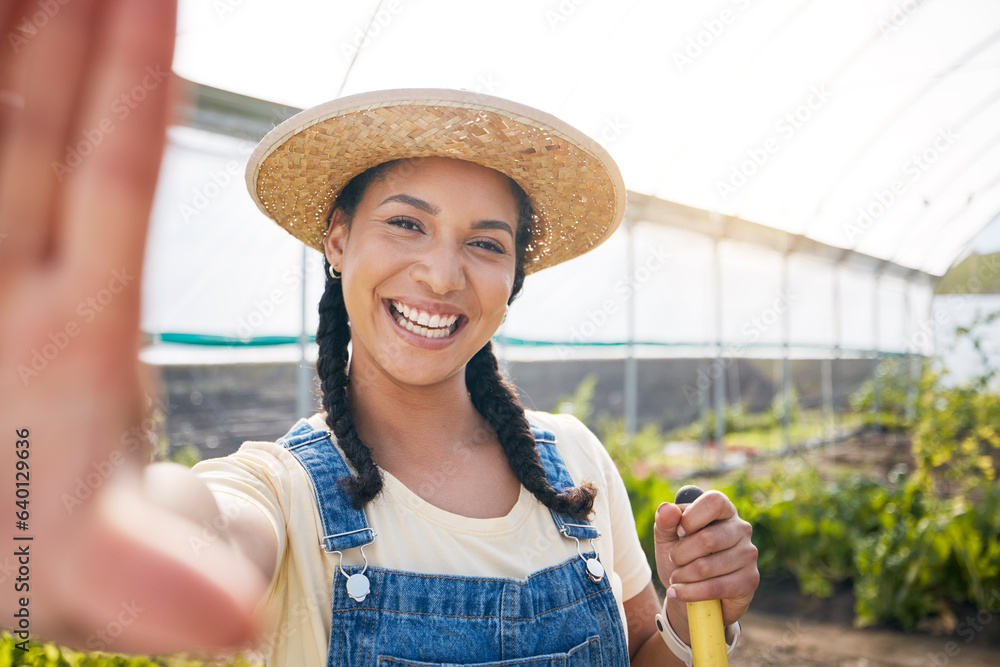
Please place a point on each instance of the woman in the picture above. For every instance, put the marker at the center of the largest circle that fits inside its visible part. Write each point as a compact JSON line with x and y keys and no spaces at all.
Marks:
{"x":423,"y":517}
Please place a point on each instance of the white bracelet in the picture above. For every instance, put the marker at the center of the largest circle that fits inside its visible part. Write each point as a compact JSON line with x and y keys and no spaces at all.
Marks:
{"x":677,"y":645}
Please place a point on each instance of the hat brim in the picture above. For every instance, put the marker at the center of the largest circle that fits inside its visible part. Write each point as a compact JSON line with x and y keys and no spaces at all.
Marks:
{"x":299,"y":168}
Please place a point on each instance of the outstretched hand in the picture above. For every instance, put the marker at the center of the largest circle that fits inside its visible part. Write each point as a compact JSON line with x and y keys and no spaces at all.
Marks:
{"x":84,"y":103}
{"x":704,"y":552}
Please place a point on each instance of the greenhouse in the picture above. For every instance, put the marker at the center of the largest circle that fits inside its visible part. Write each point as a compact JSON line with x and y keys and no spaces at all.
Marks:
{"x":800,"y":177}
{"x":800,"y":310}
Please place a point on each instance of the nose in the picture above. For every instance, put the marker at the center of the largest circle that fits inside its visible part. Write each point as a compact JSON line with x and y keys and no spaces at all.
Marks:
{"x":441,"y":269}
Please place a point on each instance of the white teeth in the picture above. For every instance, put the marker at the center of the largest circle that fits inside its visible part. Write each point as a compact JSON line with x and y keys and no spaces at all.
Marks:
{"x":424,"y":324}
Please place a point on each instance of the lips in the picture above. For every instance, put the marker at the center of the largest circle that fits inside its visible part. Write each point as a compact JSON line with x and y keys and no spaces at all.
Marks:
{"x":423,"y":323}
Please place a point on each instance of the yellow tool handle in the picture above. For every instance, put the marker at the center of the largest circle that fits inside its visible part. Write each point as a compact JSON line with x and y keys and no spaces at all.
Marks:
{"x":708,"y":636}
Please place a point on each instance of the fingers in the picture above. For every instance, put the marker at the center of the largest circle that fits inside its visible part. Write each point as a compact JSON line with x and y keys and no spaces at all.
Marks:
{"x":125,"y":113}
{"x":735,"y":590}
{"x":706,"y":572}
{"x":668,"y":519}
{"x":709,"y":507}
{"x":12,"y":17}
{"x":713,"y":559}
{"x":79,"y":163}
{"x":45,"y":57}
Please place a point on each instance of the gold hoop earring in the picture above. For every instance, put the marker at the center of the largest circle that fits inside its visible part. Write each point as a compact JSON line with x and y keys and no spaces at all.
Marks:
{"x":334,"y":273}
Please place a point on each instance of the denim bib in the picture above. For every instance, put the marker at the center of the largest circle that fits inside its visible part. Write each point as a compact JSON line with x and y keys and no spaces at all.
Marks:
{"x":562,"y":615}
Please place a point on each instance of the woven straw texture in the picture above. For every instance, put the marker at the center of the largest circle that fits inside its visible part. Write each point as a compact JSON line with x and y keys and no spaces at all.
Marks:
{"x":300,"y":167}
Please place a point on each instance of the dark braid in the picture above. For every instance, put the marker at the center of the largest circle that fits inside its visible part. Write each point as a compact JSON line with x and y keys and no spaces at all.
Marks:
{"x":496,"y":400}
{"x":490,"y":393}
{"x":332,"y":336}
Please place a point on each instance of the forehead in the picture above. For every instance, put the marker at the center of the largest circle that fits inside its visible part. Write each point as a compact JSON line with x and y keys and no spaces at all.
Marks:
{"x":446,"y":172}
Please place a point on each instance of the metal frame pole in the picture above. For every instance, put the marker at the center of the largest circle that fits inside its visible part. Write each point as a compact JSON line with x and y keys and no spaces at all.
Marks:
{"x":303,"y":404}
{"x":876,"y":342}
{"x":786,"y":362}
{"x":719,"y":376}
{"x":631,"y":371}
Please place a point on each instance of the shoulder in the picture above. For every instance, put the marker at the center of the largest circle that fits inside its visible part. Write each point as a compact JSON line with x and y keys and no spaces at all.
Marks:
{"x":583,"y":451}
{"x":264,"y":471}
{"x":565,"y":428}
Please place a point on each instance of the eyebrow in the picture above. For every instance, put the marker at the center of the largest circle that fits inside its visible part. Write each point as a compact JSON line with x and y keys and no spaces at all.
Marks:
{"x":427,"y":207}
{"x":493,"y":224}
{"x":415,"y":202}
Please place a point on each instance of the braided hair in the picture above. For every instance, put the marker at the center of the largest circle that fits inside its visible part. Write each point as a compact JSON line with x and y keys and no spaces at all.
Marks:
{"x":491,"y":394}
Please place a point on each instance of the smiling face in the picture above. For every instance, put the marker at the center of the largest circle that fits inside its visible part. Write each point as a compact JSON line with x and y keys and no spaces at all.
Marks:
{"x":428,"y":263}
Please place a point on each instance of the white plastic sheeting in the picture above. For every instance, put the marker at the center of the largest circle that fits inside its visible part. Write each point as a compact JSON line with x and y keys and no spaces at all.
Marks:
{"x":866,"y":124}
{"x":218,"y":270}
{"x":871,"y":125}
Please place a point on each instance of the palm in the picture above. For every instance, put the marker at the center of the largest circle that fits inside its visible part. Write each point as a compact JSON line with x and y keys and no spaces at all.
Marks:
{"x":80,"y":148}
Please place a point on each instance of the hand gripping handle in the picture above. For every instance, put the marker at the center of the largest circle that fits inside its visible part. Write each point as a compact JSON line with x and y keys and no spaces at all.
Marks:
{"x":708,"y":635}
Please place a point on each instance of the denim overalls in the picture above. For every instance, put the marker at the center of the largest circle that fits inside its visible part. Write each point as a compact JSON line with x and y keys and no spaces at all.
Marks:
{"x":562,"y":615}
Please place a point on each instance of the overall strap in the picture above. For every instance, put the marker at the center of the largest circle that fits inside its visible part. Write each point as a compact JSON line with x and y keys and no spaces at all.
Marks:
{"x":344,"y":527}
{"x":559,"y":478}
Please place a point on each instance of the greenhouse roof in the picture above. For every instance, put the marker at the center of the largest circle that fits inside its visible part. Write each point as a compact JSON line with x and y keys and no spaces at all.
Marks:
{"x":869,"y":125}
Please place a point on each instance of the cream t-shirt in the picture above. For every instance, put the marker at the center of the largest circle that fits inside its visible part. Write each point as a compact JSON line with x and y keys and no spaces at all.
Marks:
{"x":415,"y":536}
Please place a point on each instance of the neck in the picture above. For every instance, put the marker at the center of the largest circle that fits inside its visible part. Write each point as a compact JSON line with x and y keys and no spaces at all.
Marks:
{"x":401,"y":422}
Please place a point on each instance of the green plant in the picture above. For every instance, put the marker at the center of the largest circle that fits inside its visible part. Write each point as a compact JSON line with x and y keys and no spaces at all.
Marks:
{"x":40,"y":654}
{"x":887,"y":399}
{"x":580,"y":403}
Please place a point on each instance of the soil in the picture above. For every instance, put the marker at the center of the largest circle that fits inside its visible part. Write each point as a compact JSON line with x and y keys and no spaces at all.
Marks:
{"x":785,"y":628}
{"x":787,"y":640}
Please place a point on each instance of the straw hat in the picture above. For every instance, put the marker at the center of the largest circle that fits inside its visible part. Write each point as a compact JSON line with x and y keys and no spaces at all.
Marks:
{"x":298,"y":169}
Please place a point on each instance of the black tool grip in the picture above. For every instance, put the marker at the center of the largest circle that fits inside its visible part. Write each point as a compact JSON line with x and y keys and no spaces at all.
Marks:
{"x":687,"y":494}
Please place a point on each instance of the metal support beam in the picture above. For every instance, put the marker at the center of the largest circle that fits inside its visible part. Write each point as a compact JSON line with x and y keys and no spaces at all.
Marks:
{"x":719,"y":374}
{"x":786,"y":362}
{"x":631,"y":371}
{"x":304,"y":404}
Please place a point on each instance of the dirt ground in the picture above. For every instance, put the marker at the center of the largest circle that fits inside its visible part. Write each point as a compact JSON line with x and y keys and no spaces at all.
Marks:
{"x":784,"y":641}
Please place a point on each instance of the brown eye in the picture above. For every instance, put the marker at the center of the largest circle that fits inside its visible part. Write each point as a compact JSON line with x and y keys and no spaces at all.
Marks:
{"x":404,"y":223}
{"x":490,"y":245}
